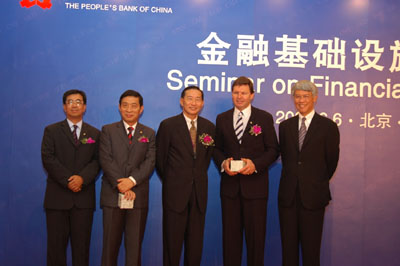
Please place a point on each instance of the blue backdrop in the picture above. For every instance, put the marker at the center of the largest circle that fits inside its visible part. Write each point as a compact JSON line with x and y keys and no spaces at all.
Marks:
{"x":349,"y":48}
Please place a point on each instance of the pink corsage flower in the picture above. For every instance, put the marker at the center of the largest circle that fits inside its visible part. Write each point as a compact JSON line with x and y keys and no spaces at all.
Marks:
{"x":255,"y":130}
{"x":143,"y":139}
{"x":87,"y":141}
{"x":206,"y":140}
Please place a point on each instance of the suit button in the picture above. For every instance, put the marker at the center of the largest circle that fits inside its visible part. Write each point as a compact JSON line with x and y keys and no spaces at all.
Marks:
{"x":299,"y":163}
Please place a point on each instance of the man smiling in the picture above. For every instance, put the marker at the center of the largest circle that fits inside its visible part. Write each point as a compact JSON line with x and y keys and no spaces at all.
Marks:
{"x":309,"y":145}
{"x":127,"y":157}
{"x":184,"y":148}
{"x":70,"y":157}
{"x":246,"y":145}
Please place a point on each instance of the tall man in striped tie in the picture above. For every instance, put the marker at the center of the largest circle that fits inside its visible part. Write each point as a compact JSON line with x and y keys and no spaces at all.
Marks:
{"x":246,"y":145}
{"x":309,"y":145}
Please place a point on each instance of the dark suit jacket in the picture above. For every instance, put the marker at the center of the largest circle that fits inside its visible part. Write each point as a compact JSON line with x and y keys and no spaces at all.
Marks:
{"x":262,"y":150}
{"x":119,"y":159}
{"x":313,"y":166}
{"x":62,"y":159}
{"x":177,"y":166}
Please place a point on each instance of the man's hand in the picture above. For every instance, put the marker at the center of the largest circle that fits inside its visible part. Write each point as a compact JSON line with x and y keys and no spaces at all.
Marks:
{"x":249,"y":167}
{"x":124,"y":184}
{"x":75,"y":183}
{"x":129,"y":195}
{"x":226,"y":164}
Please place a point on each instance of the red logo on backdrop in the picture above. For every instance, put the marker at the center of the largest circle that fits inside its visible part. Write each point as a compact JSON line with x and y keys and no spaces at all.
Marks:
{"x":30,"y":3}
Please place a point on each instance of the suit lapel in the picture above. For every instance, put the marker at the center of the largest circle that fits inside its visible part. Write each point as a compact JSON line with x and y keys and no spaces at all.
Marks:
{"x":132,"y":148}
{"x":122,"y":133}
{"x":84,"y":133}
{"x":250,"y":123}
{"x":200,"y":148}
{"x":185,"y":134}
{"x":230,"y":126}
{"x":294,"y":130}
{"x":137,"y":135}
{"x":311,"y":129}
{"x":67,"y":131}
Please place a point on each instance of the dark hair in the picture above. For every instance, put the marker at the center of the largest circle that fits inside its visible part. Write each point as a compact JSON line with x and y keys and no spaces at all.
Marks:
{"x":243,"y":81}
{"x":70,"y":92}
{"x":192,"y":88}
{"x":133,"y":94}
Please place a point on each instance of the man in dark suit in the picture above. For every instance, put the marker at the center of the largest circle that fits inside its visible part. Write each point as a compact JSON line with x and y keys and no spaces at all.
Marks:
{"x":309,"y":146}
{"x":70,"y":157}
{"x":127,"y":157}
{"x":184,"y":148}
{"x":245,"y":136}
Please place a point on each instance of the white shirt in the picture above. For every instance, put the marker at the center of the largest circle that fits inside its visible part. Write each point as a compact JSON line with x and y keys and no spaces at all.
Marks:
{"x":133,"y":132}
{"x":246,"y":116}
{"x":127,"y":126}
{"x":308,"y":117}
{"x":189,"y":121}
{"x":78,"y":129}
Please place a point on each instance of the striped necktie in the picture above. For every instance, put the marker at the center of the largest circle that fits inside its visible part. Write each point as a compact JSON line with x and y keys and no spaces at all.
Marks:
{"x":302,"y":132}
{"x":239,"y":127}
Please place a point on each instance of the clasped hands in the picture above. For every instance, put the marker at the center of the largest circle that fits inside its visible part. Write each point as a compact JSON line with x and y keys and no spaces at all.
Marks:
{"x":124,"y":186}
{"x":75,"y":183}
{"x":248,"y":169}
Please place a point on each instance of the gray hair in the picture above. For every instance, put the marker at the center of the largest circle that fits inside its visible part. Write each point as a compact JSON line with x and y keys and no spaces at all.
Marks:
{"x":305,"y":85}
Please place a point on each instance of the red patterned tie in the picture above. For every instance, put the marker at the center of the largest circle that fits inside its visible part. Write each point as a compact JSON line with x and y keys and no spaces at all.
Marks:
{"x":75,"y":136}
{"x":130,"y":134}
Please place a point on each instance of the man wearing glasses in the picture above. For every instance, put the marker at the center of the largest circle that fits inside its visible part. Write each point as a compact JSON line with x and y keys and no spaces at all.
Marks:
{"x":70,"y":157}
{"x":309,"y":146}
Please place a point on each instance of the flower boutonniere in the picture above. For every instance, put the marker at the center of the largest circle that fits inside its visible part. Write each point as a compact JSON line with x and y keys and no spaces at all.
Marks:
{"x":206,"y":140}
{"x":255,"y":130}
{"x":143,"y":138}
{"x":88,"y":141}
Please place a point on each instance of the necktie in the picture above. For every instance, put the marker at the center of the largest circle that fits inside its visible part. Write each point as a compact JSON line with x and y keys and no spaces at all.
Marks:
{"x":239,"y":127}
{"x":193,"y":133}
{"x":302,"y":132}
{"x":130,"y":129}
{"x":75,"y":136}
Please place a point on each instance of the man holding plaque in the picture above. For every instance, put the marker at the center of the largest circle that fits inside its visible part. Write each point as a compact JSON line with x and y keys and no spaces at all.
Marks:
{"x":127,"y":157}
{"x":246,"y":145}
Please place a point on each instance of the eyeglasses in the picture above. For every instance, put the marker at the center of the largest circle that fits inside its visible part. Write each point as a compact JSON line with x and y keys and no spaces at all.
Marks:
{"x":302,"y":97}
{"x":77,"y":102}
{"x":126,"y":106}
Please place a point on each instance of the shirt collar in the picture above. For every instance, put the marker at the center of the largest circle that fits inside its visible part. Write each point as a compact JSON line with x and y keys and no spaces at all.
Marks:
{"x":246,"y":111}
{"x":127,"y":126}
{"x":309,"y":116}
{"x":70,"y":124}
{"x":188,"y":120}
